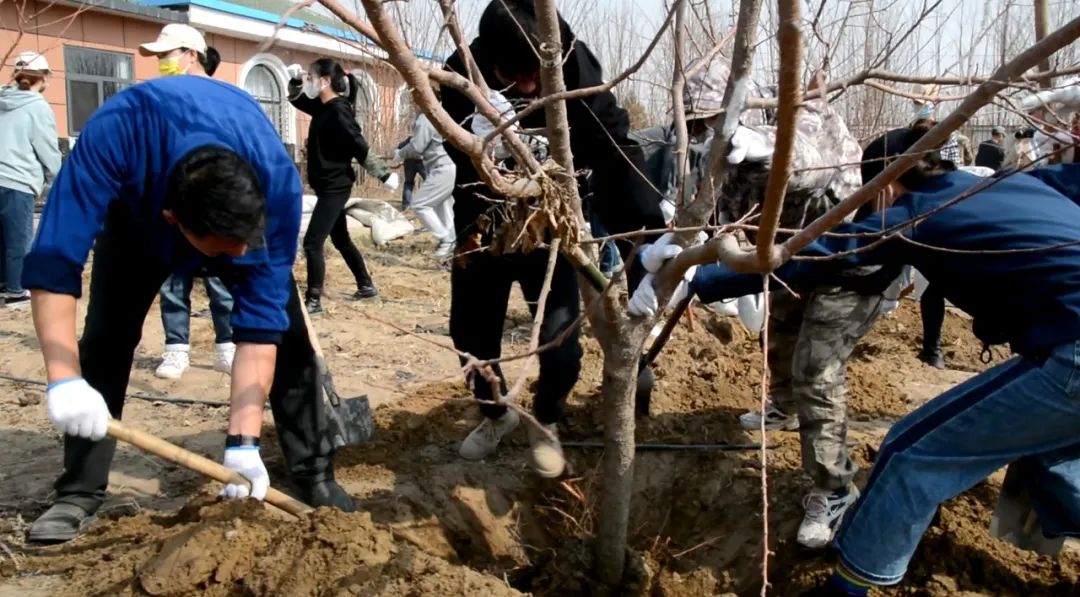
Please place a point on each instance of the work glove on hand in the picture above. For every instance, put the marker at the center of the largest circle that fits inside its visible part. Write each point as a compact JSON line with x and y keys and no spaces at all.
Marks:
{"x":392,"y":182}
{"x":77,"y":409}
{"x":246,"y":461}
{"x":749,"y":145}
{"x":667,"y":208}
{"x":655,"y":255}
{"x":295,"y":71}
{"x":644,"y":302}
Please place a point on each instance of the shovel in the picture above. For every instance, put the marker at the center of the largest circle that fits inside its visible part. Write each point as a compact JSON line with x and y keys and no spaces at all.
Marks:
{"x":349,"y":419}
{"x":1015,"y":519}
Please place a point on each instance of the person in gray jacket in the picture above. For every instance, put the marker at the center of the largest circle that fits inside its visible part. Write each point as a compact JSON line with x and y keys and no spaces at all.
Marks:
{"x":433,"y":204}
{"x":28,"y":157}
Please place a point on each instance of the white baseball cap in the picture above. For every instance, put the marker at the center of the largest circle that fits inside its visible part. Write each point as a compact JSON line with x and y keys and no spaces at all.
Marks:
{"x":175,"y":36}
{"x":31,"y":62}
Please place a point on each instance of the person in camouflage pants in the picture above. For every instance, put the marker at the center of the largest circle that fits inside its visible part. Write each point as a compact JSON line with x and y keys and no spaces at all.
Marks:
{"x":812,"y":337}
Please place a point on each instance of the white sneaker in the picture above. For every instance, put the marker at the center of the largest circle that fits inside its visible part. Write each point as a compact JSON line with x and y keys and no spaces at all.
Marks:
{"x":225,"y":353}
{"x":483,"y":440}
{"x":825,"y":511}
{"x":444,"y":251}
{"x":546,"y":452}
{"x":775,"y":419}
{"x":174,"y":362}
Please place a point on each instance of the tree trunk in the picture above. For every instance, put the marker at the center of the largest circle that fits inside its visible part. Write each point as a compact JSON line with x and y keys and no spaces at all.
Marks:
{"x":621,"y":358}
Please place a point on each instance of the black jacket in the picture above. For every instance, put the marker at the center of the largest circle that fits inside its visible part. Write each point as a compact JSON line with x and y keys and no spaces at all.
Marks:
{"x":990,"y":155}
{"x":334,"y":139}
{"x":599,"y":128}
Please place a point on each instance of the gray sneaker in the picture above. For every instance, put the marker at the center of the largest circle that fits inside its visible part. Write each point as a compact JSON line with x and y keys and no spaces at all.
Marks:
{"x":775,"y":420}
{"x":60,"y":523}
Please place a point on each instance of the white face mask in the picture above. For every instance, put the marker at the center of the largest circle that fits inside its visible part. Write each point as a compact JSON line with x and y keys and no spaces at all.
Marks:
{"x":313,"y":87}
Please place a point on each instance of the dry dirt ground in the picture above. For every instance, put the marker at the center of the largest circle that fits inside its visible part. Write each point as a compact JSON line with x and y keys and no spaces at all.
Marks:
{"x":432,"y":524}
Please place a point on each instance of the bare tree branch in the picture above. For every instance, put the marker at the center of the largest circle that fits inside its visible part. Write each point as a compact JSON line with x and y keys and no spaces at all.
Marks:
{"x":935,"y":136}
{"x":790,"y":90}
{"x":383,"y":32}
{"x":678,"y":109}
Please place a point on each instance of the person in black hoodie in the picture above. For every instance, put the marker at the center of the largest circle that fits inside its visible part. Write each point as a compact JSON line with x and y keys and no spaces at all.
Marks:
{"x":328,"y":94}
{"x":481,"y":281}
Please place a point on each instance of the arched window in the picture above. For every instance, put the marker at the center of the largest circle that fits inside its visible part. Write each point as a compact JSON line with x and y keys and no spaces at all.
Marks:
{"x":261,"y":83}
{"x":367,"y":100}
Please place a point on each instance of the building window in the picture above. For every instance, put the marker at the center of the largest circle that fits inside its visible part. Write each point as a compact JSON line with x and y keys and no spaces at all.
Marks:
{"x":367,"y":96}
{"x":93,"y":76}
{"x":265,"y":88}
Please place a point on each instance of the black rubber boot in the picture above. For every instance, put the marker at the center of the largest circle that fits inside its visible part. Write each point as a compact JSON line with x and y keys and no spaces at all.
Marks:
{"x":327,"y":493}
{"x":60,"y":523}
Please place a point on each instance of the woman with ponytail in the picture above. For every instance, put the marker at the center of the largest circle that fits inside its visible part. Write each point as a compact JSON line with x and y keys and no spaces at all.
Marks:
{"x":327,"y":93}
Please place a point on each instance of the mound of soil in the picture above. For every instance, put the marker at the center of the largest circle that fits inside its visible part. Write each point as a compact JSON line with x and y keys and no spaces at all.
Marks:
{"x":236,"y":548}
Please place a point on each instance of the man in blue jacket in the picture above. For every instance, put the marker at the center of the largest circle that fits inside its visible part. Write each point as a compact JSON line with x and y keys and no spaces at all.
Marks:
{"x":1009,"y":255}
{"x":161,"y":183}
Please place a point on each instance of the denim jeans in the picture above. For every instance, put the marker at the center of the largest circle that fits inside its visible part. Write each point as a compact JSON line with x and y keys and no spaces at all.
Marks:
{"x":16,"y":233}
{"x":609,"y":254}
{"x":176,"y":308}
{"x":1022,"y":410}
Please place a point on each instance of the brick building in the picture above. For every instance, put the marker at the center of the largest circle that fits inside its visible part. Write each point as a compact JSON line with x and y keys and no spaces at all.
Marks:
{"x":92,"y":48}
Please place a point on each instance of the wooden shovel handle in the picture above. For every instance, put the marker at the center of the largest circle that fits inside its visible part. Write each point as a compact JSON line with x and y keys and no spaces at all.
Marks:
{"x":192,"y":461}
{"x":312,"y":336}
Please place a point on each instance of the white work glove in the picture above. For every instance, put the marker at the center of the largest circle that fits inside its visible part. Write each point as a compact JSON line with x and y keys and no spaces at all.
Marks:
{"x":295,"y":72}
{"x":644,"y":302}
{"x":683,"y":288}
{"x":748,"y":144}
{"x":77,"y":409}
{"x":667,"y":208}
{"x":392,"y":182}
{"x":655,"y":255}
{"x":246,"y":461}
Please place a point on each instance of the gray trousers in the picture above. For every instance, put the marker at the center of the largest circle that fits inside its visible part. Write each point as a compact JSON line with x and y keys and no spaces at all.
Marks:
{"x":810,"y":341}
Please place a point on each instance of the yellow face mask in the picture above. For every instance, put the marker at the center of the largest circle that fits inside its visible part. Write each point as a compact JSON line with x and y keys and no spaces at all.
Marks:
{"x":170,"y":66}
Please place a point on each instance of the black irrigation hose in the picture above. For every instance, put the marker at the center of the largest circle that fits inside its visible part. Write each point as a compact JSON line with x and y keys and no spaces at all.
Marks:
{"x":672,"y":447}
{"x":137,"y":396}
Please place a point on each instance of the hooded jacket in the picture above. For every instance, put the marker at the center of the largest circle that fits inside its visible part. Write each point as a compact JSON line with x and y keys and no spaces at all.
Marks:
{"x":425,"y":144}
{"x":334,"y":139}
{"x":29,"y":155}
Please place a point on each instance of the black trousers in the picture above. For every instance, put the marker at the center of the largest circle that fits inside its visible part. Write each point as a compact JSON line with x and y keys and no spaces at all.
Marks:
{"x":479,"y":293}
{"x":329,"y":219}
{"x":126,"y":277}
{"x":932,"y":308}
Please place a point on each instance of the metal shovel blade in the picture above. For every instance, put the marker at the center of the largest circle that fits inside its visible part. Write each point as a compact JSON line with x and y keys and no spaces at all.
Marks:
{"x":1015,"y":519}
{"x":350,"y":421}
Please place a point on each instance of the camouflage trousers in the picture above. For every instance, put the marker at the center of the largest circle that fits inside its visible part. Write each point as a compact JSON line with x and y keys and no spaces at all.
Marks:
{"x":810,"y":341}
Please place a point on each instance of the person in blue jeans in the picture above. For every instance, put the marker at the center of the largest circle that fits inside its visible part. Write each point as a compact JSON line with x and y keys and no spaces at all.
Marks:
{"x":28,"y":157}
{"x":1011,"y":259}
{"x":176,"y":319}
